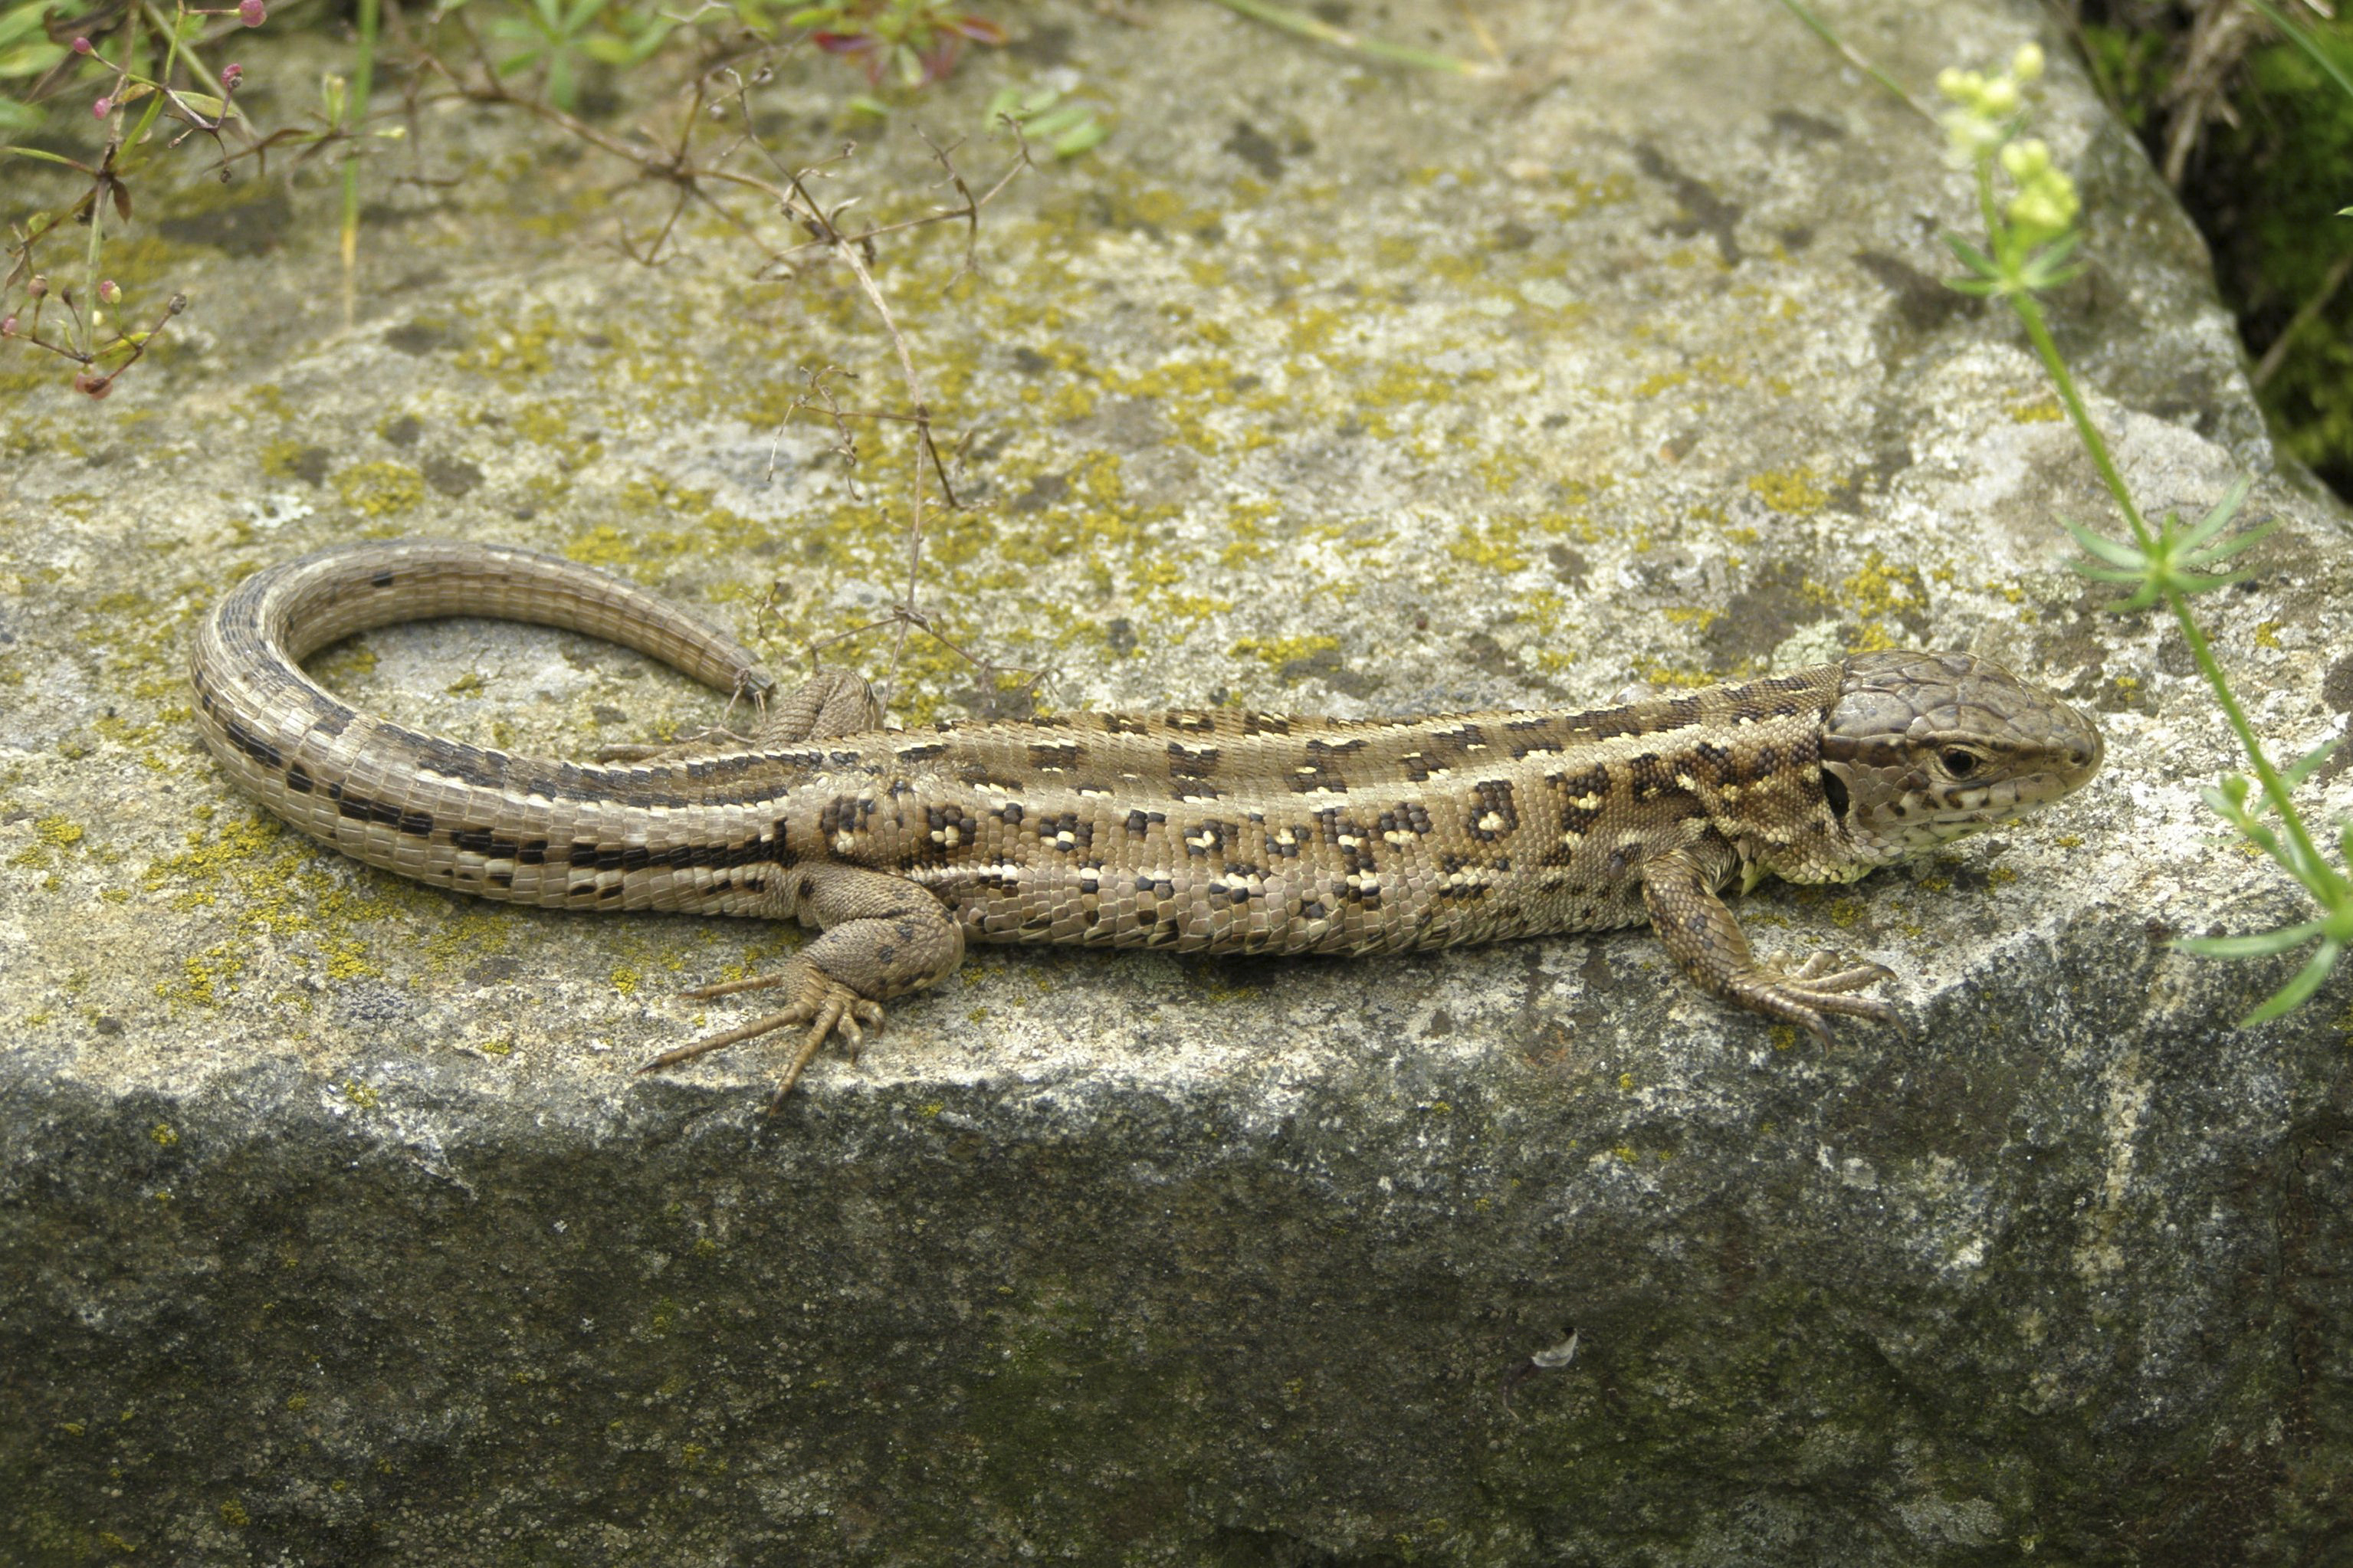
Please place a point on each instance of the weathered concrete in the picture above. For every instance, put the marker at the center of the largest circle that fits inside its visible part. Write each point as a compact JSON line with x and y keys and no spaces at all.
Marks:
{"x":334,"y":1227}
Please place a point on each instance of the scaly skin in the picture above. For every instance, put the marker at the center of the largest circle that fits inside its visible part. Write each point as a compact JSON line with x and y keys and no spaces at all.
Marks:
{"x":1195,"y":831}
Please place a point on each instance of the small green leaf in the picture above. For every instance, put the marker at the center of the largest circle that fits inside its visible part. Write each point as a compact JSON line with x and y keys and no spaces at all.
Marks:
{"x":1976,"y":260}
{"x":2258,"y":946}
{"x":2306,"y":982}
{"x":2214,"y":521}
{"x":23,"y":21}
{"x":867,"y":103}
{"x":2296,"y":772}
{"x":2209,"y":555}
{"x":2109,"y":549}
{"x":30,"y":60}
{"x":34,"y":151}
{"x":1084,"y":138}
{"x":1047,"y":126}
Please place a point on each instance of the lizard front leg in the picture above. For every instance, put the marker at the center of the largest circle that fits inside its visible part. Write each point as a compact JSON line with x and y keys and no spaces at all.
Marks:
{"x":1707,"y":945}
{"x":884,"y":936}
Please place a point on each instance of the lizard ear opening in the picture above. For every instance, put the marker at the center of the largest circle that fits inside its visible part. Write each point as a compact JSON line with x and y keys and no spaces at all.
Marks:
{"x":1835,"y":790}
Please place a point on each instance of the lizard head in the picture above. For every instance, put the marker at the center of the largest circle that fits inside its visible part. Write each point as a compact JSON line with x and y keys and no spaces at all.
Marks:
{"x":1924,"y":747}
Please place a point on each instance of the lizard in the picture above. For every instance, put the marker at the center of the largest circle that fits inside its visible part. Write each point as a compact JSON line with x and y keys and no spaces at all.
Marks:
{"x":1191,"y":830}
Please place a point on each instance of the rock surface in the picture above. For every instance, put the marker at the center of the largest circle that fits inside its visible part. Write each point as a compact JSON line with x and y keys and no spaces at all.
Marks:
{"x":333,"y":1227}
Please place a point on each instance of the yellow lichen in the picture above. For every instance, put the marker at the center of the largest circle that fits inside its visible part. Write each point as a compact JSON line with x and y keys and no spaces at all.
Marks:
{"x":380,"y":489}
{"x":1798,"y":492}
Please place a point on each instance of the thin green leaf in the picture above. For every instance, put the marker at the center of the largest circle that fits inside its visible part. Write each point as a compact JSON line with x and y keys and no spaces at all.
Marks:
{"x":1976,"y":260}
{"x":2104,"y":574}
{"x":2224,"y":511}
{"x":2306,"y":982}
{"x":2109,"y":549}
{"x":2210,"y":553}
{"x":43,"y":157}
{"x":2259,"y":946}
{"x":2306,"y":42}
{"x":2189,"y":582}
{"x":1307,"y":27}
{"x":2059,"y":249}
{"x":1085,"y":137}
{"x":30,"y":60}
{"x":2234,"y":812}
{"x":1047,"y":126}
{"x":25,"y":20}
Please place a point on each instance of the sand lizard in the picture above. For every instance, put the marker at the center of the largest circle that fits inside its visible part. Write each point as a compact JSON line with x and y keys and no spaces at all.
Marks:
{"x":1193,"y":831}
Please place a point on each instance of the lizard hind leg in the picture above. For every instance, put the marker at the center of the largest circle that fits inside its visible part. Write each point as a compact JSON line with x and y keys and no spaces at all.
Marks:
{"x":824,"y":1003}
{"x":883,"y":937}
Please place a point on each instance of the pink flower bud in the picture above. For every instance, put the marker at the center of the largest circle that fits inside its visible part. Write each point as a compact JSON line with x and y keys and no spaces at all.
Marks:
{"x":93,"y":384}
{"x":109,"y":290}
{"x":252,"y":12}
{"x":81,"y":46}
{"x":230,"y":76}
{"x":103,"y":108}
{"x":7,"y":326}
{"x":39,"y":286}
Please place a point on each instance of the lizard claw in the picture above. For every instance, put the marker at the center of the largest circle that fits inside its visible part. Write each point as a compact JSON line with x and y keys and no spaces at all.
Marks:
{"x":823,"y":1003}
{"x":1803,"y":994}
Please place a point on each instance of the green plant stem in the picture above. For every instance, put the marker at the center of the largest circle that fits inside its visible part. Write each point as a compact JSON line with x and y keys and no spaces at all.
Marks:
{"x":1307,"y":27}
{"x":100,"y":195}
{"x":2309,"y":870}
{"x":1822,"y":30}
{"x":2038,"y":332}
{"x":362,"y":81}
{"x":156,"y":19}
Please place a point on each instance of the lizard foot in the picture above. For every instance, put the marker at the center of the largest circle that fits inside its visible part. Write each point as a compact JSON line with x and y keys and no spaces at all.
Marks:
{"x":1801,"y":995}
{"x":823,"y":1003}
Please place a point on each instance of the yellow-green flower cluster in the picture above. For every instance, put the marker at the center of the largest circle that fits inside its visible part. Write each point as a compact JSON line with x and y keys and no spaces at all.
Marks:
{"x":1985,"y":111}
{"x":2046,"y":204}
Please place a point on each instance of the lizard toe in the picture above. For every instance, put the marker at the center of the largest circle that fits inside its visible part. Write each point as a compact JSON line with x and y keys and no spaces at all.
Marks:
{"x":822,"y":1003}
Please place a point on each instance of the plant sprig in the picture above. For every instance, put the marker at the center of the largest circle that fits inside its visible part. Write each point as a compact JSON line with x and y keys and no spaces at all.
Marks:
{"x":2029,"y":249}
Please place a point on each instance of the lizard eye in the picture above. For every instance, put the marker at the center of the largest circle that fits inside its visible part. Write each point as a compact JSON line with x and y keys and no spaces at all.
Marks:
{"x":1959,"y":763}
